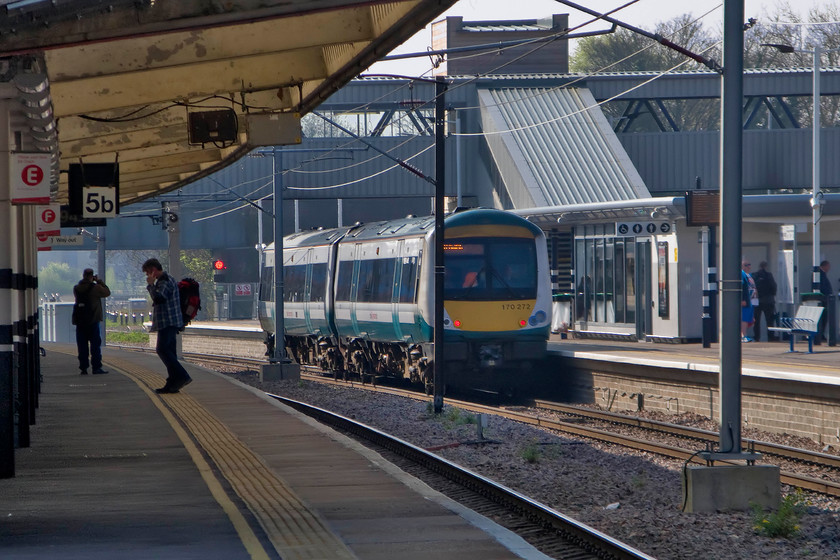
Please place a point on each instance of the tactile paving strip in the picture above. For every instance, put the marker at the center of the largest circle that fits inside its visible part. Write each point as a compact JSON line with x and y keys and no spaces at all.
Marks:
{"x":295,"y":531}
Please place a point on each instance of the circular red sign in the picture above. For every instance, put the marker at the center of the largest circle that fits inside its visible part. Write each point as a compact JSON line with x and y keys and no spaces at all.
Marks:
{"x":42,"y":236}
{"x":32,"y":175}
{"x":48,"y":216}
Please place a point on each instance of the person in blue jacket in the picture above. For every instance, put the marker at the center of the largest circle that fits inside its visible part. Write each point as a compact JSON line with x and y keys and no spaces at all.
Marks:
{"x":749,"y":299}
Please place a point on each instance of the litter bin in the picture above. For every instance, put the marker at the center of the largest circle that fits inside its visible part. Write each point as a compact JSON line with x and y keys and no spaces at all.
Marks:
{"x":561,"y":313}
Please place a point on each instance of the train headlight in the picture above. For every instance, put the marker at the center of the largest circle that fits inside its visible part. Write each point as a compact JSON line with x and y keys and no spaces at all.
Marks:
{"x":537,"y":318}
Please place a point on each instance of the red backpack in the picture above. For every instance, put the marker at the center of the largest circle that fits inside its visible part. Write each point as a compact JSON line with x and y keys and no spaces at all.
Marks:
{"x":188,"y":291}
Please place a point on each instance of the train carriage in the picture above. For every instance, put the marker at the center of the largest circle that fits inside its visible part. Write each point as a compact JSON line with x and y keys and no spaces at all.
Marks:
{"x":374,"y":313}
{"x":308,"y":262}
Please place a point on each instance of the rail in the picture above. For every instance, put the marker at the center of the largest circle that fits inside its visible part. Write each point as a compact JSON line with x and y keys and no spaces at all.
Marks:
{"x":822,"y":486}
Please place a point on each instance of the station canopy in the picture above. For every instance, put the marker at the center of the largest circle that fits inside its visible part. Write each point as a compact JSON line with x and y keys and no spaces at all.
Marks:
{"x":174,"y":90}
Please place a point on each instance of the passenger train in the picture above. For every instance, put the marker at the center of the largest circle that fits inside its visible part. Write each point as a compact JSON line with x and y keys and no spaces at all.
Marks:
{"x":359,"y":300}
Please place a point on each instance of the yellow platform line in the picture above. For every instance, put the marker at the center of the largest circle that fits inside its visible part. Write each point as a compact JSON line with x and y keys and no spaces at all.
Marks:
{"x":297,"y":532}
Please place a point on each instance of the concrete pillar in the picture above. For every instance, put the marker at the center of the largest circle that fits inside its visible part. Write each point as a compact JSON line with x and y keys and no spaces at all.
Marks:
{"x":19,"y":324}
{"x":7,"y":238}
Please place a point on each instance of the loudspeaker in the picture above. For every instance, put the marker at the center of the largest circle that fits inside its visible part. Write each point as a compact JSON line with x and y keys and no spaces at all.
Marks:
{"x":213,"y":126}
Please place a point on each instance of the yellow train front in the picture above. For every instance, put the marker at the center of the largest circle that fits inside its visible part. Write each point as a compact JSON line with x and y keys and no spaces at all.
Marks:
{"x":497,"y":299}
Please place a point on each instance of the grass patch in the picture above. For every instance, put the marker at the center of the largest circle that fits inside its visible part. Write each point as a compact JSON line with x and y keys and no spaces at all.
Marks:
{"x":531,"y":453}
{"x":128,"y":337}
{"x":451,"y":417}
{"x":458,"y":417}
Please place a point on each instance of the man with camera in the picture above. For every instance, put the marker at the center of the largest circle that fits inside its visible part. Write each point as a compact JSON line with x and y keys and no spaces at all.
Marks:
{"x":87,"y":314}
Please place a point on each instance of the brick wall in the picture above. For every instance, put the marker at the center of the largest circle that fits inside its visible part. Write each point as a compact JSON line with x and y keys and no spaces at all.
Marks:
{"x":809,"y":410}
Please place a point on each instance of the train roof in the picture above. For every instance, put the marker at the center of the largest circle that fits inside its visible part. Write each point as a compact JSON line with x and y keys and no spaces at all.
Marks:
{"x":314,"y":237}
{"x":410,"y":226}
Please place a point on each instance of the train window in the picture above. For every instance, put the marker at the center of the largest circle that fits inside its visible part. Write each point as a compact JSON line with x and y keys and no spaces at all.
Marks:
{"x":408,"y":280}
{"x":267,"y":284}
{"x":344,"y":281}
{"x":376,"y":280}
{"x":366,"y":281}
{"x":487,"y":269}
{"x":384,"y":274}
{"x":318,"y":288}
{"x":294,"y":283}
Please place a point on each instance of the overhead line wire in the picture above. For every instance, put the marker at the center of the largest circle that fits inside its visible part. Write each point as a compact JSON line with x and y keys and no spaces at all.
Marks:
{"x":544,"y":40}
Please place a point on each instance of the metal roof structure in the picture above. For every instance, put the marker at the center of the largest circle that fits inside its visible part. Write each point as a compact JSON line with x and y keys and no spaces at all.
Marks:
{"x":776,"y":208}
{"x":551,"y":149}
{"x":119,"y":81}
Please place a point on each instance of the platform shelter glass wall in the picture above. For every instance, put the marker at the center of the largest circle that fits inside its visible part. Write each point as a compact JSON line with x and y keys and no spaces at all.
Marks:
{"x":605,"y":277}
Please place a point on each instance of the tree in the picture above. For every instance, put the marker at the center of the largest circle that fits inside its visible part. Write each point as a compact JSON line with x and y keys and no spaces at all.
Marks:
{"x":197,"y":265}
{"x":784,"y":26}
{"x":622,"y":51}
{"x":58,"y":278}
{"x":627,"y":51}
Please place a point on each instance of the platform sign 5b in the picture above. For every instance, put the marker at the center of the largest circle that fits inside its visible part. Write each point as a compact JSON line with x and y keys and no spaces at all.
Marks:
{"x":29,"y":178}
{"x":99,"y":202}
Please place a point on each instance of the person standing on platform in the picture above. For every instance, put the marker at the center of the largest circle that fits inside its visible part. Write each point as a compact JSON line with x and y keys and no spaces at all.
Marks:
{"x":749,"y":299}
{"x":87,"y":314}
{"x":167,"y":321}
{"x":765,"y":285}
{"x":825,"y":290}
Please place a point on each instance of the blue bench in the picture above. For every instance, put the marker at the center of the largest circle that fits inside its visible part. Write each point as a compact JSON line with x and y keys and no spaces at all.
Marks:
{"x":806,"y":322}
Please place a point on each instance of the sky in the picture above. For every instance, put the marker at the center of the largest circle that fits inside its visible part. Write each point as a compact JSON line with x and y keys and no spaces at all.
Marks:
{"x":644,"y":14}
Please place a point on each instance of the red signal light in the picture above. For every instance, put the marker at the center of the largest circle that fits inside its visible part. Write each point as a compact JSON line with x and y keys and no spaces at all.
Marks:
{"x":219,"y":264}
{"x":522,"y":323}
{"x":457,"y":323}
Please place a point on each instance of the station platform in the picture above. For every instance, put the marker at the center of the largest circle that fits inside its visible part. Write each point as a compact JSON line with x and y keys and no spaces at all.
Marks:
{"x":770,"y":360}
{"x":218,"y":470}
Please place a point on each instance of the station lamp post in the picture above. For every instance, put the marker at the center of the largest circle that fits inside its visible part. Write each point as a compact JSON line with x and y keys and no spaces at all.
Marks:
{"x":816,"y":198}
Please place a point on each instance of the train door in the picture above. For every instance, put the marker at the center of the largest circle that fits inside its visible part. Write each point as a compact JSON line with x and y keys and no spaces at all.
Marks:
{"x":395,"y":296}
{"x":354,"y":288}
{"x":644,"y":288}
{"x":307,"y":295}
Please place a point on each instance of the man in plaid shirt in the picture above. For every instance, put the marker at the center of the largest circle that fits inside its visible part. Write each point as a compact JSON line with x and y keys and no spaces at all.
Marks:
{"x":167,"y":321}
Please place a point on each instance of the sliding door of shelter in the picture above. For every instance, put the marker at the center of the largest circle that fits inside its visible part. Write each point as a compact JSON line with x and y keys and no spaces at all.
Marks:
{"x":644,"y":296}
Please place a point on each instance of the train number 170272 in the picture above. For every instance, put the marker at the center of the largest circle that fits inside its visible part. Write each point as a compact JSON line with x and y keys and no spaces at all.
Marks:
{"x":516,"y":307}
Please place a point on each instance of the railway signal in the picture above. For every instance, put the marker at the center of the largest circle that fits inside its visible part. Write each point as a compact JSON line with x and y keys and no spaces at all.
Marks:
{"x":219,"y":269}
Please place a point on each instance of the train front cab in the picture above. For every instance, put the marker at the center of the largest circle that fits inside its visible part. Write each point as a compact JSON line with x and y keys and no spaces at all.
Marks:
{"x":497,"y":298}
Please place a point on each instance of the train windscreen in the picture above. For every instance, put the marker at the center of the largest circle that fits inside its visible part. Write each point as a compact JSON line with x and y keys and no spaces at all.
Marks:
{"x":490,"y":269}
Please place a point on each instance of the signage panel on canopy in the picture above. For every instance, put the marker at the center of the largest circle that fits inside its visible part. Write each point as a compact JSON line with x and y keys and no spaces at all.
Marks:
{"x":43,"y":241}
{"x":48,"y":219}
{"x":29,"y":178}
{"x":631,"y":229}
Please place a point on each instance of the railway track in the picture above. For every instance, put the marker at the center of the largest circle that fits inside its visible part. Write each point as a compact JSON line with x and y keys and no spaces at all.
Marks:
{"x":576,"y":427}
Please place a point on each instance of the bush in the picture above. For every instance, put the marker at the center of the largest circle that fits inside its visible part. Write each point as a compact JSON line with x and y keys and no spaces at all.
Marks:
{"x":784,"y":522}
